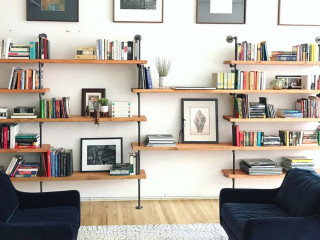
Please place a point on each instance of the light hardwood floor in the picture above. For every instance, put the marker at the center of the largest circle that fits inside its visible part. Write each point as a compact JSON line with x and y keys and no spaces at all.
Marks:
{"x":153,"y":212}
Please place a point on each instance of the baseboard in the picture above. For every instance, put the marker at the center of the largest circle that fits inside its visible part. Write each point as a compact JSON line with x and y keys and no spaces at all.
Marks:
{"x":134,"y":198}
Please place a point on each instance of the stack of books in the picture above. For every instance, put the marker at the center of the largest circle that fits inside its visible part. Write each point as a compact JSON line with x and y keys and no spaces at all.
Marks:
{"x":121,"y":109}
{"x":120,"y":169}
{"x":85,"y":53}
{"x":260,"y":166}
{"x":289,"y":113}
{"x":14,"y":164}
{"x":3,"y":112}
{"x":257,"y":110}
{"x":27,"y":169}
{"x":271,"y":140}
{"x":283,"y":56}
{"x":160,"y":140}
{"x":19,"y":52}
{"x":27,"y":140}
{"x":24,"y":112}
{"x":303,"y":162}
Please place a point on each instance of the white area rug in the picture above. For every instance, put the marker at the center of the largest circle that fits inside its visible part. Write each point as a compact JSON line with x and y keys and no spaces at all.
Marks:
{"x":154,"y":232}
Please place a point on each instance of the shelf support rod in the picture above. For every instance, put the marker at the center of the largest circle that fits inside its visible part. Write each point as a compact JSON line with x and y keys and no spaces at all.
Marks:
{"x":40,"y":129}
{"x":139,"y":199}
{"x":234,"y":66}
{"x":41,"y":183}
{"x":233,"y":166}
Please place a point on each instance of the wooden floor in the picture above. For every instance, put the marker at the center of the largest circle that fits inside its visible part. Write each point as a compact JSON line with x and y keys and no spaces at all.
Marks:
{"x":153,"y":212}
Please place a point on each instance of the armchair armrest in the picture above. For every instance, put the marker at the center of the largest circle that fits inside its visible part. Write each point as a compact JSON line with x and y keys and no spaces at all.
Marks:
{"x":283,"y":228}
{"x":19,"y":231}
{"x":231,"y":195}
{"x":48,"y":199}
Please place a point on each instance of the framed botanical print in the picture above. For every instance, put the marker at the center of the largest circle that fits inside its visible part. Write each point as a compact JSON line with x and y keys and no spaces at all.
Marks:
{"x":199,"y":120}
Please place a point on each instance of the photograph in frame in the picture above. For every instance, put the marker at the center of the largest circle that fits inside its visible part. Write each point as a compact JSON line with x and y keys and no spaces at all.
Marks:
{"x":99,"y":154}
{"x":221,"y":12}
{"x":144,"y":11}
{"x":199,"y":120}
{"x":53,"y":10}
{"x":90,"y":97}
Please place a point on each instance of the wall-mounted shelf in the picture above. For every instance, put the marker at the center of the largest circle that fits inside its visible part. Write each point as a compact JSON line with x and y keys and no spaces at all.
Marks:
{"x":75,"y":61}
{"x":185,"y":147}
{"x":257,"y":120}
{"x":42,"y":90}
{"x":271,"y":62}
{"x":77,"y":176}
{"x":44,"y":148}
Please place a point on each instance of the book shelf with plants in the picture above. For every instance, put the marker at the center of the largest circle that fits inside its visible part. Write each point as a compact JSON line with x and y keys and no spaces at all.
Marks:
{"x":43,"y":148}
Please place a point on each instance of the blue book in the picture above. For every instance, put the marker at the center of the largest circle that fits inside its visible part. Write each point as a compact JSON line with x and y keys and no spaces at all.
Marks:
{"x":148,"y":78}
{"x":32,"y":50}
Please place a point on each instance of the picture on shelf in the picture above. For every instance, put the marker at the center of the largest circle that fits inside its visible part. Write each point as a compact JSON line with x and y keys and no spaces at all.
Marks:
{"x":199,"y":120}
{"x":291,"y":82}
{"x":90,"y":99}
{"x":99,"y":154}
{"x":53,"y":10}
{"x":138,"y":11}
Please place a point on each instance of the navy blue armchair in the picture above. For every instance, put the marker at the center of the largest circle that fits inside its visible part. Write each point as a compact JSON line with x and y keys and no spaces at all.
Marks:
{"x":38,"y":216}
{"x":291,"y":212}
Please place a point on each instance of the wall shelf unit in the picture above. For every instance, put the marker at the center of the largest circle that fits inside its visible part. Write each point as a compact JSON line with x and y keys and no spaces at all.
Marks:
{"x":238,"y":62}
{"x":277,"y":119}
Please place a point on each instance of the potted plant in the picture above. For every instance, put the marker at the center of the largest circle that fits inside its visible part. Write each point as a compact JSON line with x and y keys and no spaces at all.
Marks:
{"x":103,"y":105}
{"x":163,"y":66}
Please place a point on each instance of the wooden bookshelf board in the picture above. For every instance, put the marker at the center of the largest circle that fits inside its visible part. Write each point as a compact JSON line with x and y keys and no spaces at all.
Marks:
{"x":78,"y":176}
{"x":234,"y":120}
{"x":44,"y":148}
{"x":272,"y":62}
{"x":223,"y":91}
{"x":277,"y":148}
{"x":75,"y":61}
{"x":134,"y":118}
{"x":42,"y":90}
{"x":228,"y":173}
{"x":185,"y":147}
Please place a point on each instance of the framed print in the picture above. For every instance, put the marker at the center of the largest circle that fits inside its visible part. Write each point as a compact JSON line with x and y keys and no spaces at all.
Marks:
{"x":144,"y":11}
{"x":291,"y":81}
{"x":299,"y":12}
{"x":90,"y":98}
{"x":53,"y":10}
{"x":221,"y":11}
{"x":98,"y":154}
{"x":199,"y":120}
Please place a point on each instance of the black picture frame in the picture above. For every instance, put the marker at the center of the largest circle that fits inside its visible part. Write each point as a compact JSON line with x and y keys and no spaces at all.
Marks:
{"x":236,"y":16}
{"x":199,"y":120}
{"x":134,"y":13}
{"x":99,"y":154}
{"x":87,"y":93}
{"x":56,"y":10}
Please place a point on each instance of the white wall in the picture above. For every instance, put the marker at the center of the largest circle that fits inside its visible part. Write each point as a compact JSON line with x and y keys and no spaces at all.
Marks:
{"x":197,"y":50}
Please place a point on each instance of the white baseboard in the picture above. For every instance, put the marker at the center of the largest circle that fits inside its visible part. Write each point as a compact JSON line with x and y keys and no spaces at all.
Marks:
{"x":134,"y":198}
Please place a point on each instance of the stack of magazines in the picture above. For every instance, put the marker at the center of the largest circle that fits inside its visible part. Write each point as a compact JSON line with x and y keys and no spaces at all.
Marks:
{"x":160,"y":140}
{"x":260,"y":166}
{"x":289,"y":162}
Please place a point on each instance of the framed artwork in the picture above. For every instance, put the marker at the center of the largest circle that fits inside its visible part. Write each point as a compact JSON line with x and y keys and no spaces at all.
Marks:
{"x":299,"y":12}
{"x":90,"y":97}
{"x":98,"y":154}
{"x":221,"y":11}
{"x":53,"y":10}
{"x":291,"y":81}
{"x":144,"y":11}
{"x":199,"y":120}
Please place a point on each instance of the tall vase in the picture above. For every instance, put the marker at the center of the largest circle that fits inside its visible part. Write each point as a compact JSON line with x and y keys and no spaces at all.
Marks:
{"x":162,"y":81}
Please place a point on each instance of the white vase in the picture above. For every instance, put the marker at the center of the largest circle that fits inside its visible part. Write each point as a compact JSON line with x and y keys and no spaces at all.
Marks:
{"x":163,"y":81}
{"x":104,"y":109}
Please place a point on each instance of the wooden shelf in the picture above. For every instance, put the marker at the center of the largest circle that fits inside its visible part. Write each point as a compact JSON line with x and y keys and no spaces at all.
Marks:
{"x":74,"y":61}
{"x":277,"y":148}
{"x":224,"y":91}
{"x":234,"y":120}
{"x":228,"y":173}
{"x":78,"y":176}
{"x":185,"y":147}
{"x":135,"y":118}
{"x":271,"y":62}
{"x":42,"y":90}
{"x":44,"y":148}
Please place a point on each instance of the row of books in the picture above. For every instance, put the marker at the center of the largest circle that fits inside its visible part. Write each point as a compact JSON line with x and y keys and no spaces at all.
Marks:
{"x":121,"y":109}
{"x":58,"y":162}
{"x":299,"y":138}
{"x":302,"y":52}
{"x":24,"y":79}
{"x":18,"y":167}
{"x":241,"y":80}
{"x":252,"y":51}
{"x":289,"y":113}
{"x":117,"y":50}
{"x":33,"y":50}
{"x":160,"y":140}
{"x":55,"y":108}
{"x":8,"y":133}
{"x":144,"y":78}
{"x":27,"y":140}
{"x":130,"y":168}
{"x":309,"y":107}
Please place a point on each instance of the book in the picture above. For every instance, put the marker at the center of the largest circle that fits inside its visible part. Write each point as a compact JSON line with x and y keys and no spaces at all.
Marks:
{"x":160,"y":137}
{"x":258,"y":162}
{"x":78,"y":56}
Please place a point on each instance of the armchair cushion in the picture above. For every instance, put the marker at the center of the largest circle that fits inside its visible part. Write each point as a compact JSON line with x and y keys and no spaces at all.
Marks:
{"x":236,"y":215}
{"x":299,"y":193}
{"x":8,"y":198}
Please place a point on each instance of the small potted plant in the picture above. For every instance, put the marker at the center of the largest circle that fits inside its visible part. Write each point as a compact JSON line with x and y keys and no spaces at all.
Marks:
{"x":103,"y":105}
{"x":163,"y":66}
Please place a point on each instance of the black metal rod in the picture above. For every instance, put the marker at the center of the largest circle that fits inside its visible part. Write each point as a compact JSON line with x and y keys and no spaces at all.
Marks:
{"x":40,"y":129}
{"x":235,"y":48}
{"x":233,"y":166}
{"x":41,"y":186}
{"x":233,"y":182}
{"x":139,"y":196}
{"x":138,"y":104}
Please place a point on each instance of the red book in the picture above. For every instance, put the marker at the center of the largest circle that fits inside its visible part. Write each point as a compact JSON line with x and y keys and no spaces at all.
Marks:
{"x":49,"y":163}
{"x":242,"y":139}
{"x":237,"y":130}
{"x":5,"y":136}
{"x":45,"y":48}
